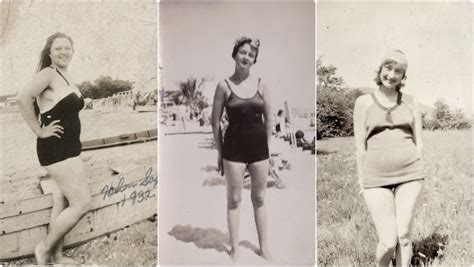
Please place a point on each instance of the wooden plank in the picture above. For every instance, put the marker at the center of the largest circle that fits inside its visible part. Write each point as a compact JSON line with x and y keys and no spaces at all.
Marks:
{"x":133,"y":186}
{"x":124,"y":139}
{"x":9,"y":245}
{"x":24,"y":206}
{"x":24,"y":221}
{"x":28,"y":239}
{"x":95,"y":224}
{"x":95,"y":142}
{"x":121,"y":143}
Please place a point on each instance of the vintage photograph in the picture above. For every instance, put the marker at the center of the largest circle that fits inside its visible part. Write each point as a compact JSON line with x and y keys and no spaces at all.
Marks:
{"x":394,"y":133}
{"x":78,"y":154}
{"x":237,"y":132}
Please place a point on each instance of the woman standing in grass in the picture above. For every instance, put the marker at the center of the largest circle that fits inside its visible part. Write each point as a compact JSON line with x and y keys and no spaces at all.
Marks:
{"x":245,"y":146}
{"x":54,"y":118}
{"x":387,"y":130}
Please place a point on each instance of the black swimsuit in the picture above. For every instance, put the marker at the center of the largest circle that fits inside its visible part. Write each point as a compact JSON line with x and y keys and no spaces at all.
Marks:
{"x":246,"y":137}
{"x":52,"y":149}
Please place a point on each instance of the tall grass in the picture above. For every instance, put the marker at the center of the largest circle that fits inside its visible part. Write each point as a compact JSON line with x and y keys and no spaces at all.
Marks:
{"x":441,"y":230}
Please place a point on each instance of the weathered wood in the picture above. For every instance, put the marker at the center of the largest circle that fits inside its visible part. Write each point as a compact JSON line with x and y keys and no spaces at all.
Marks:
{"x":25,"y":206}
{"x":94,"y":224}
{"x":120,"y":140}
{"x":126,"y":187}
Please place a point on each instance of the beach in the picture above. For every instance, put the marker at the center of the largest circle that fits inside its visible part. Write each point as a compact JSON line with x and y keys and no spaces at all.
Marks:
{"x":192,"y":204}
{"x":21,"y":172}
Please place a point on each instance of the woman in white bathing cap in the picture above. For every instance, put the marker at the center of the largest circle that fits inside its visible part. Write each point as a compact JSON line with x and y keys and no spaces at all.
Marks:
{"x":387,"y":130}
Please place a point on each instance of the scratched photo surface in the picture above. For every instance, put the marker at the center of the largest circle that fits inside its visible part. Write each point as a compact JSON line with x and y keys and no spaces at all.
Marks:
{"x":195,"y":53}
{"x":436,"y":39}
{"x":114,"y":67}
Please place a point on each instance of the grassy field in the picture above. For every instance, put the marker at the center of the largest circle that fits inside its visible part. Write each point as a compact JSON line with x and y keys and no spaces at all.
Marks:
{"x":346,"y":233}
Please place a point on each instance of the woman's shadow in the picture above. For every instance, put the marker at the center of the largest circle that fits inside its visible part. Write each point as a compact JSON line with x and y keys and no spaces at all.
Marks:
{"x":207,"y":238}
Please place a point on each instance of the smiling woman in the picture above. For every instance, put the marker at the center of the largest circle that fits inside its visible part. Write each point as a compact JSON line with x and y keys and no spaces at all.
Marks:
{"x":387,"y":130}
{"x":54,"y":118}
{"x":246,"y":141}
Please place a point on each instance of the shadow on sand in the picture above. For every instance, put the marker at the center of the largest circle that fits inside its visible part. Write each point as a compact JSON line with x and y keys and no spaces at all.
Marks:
{"x":209,"y":168}
{"x":431,"y":247}
{"x":207,"y":238}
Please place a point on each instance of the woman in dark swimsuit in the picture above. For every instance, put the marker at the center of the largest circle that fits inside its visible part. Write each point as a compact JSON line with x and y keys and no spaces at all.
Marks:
{"x":50,"y":105}
{"x":246,"y":142}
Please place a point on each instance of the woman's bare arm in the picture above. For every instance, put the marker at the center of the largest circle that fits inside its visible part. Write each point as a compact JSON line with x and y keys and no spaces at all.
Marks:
{"x":40,"y":81}
{"x":217,"y":109}
{"x":418,"y":126}
{"x":360,"y":134}
{"x":267,"y":113}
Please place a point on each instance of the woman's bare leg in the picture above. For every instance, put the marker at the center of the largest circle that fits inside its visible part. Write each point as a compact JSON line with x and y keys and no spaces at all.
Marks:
{"x":59,"y":204}
{"x":70,"y":177}
{"x":406,"y":199}
{"x":259,"y":173}
{"x":234,"y":174}
{"x":381,"y":204}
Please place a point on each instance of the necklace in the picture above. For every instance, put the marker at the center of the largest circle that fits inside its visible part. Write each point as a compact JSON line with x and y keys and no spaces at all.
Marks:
{"x":388,"y":115}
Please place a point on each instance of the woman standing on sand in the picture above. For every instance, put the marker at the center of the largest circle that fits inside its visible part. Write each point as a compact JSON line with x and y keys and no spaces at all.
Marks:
{"x":247,"y":138}
{"x":387,"y":129}
{"x":54,"y":117}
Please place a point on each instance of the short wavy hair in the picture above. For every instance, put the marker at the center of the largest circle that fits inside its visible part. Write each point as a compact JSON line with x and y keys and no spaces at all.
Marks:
{"x":253,"y":42}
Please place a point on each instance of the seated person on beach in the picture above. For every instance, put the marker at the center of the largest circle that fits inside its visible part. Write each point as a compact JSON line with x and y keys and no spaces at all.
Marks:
{"x":301,"y":141}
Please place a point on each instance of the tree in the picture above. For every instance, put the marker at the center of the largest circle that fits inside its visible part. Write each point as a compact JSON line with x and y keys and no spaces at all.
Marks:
{"x":327,"y":76}
{"x":104,"y":87}
{"x":334,"y":106}
{"x":443,"y":118}
{"x":191,"y":96}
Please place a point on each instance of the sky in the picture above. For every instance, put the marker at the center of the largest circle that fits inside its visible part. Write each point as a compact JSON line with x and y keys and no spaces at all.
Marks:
{"x":435,"y":37}
{"x":196,"y":39}
{"x":110,"y":39}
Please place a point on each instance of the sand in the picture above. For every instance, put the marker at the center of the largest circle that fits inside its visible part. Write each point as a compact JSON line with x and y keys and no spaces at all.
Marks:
{"x":193,"y":226}
{"x":20,"y":171}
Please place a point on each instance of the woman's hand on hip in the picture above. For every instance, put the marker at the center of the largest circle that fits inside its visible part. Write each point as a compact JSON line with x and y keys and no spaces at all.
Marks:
{"x":52,"y":129}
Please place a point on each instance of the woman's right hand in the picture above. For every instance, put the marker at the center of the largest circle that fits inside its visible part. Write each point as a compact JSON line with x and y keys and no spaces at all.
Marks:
{"x":220,"y":165}
{"x":52,"y":129}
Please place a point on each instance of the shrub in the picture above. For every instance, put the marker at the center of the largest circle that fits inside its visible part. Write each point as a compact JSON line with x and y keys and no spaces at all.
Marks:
{"x":334,"y":109}
{"x":442,"y":118}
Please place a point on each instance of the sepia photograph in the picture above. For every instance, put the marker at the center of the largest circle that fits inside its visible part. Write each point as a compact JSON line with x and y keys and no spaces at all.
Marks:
{"x":394,"y":133}
{"x":237,"y":133}
{"x":78,"y":115}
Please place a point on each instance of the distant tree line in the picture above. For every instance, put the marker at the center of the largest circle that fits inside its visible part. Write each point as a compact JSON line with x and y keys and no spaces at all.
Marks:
{"x":103,"y":87}
{"x":335,"y":107}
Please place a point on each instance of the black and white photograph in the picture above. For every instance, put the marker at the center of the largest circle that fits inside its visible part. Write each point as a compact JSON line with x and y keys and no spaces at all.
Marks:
{"x":237,"y":132}
{"x":78,"y":114}
{"x":394,"y":133}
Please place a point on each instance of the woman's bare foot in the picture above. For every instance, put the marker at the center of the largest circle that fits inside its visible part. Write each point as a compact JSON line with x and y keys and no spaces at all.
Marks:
{"x":265,"y":254}
{"x":41,"y":254}
{"x":234,"y":254}
{"x":61,"y":259}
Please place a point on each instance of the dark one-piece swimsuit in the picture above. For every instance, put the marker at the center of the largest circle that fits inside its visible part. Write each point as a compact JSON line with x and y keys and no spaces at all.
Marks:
{"x":245,"y":138}
{"x":53,"y":149}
